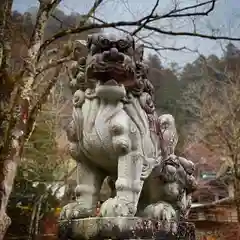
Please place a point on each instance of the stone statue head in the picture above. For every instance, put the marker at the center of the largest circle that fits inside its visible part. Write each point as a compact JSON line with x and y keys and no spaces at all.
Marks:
{"x":111,"y":63}
{"x":169,"y":132}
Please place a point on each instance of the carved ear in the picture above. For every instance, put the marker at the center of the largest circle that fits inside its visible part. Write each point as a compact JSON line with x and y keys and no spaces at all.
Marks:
{"x":81,"y":42}
{"x":78,"y":47}
{"x":89,"y":41}
{"x":131,"y":39}
{"x":139,"y":50}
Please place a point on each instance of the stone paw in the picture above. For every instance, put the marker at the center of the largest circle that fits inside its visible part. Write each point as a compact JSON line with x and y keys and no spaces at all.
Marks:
{"x":160,"y":211}
{"x":74,"y":210}
{"x":114,"y":207}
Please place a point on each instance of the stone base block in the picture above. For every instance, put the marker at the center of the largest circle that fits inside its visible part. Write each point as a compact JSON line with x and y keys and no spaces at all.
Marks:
{"x":97,"y":228}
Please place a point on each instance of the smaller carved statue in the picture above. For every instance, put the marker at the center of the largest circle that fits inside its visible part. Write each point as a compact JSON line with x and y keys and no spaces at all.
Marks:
{"x":174,"y":176}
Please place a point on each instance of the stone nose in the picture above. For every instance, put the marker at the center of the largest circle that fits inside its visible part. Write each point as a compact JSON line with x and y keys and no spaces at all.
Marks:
{"x":113,"y":55}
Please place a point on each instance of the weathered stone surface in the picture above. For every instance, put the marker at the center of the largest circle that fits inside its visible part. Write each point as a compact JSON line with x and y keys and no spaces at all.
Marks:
{"x":124,"y":228}
{"x":115,"y":132}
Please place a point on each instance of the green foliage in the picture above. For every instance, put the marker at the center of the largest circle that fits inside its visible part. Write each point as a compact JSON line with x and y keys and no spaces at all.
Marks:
{"x":174,"y":92}
{"x":41,"y":156}
{"x":39,"y":168}
{"x":167,"y":92}
{"x":210,"y":94}
{"x":166,"y":85}
{"x":24,"y":202}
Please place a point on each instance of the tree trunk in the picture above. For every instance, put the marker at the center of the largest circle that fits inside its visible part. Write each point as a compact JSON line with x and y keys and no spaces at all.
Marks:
{"x":236,"y":174}
{"x":237,"y":195}
{"x":7,"y":166}
{"x":14,"y":128}
{"x":5,"y":33}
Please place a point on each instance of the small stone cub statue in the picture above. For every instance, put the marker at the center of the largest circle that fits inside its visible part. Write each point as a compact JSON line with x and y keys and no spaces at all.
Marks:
{"x":173,"y":178}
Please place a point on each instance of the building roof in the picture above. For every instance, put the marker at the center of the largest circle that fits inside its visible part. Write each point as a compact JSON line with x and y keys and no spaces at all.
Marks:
{"x":224,"y":201}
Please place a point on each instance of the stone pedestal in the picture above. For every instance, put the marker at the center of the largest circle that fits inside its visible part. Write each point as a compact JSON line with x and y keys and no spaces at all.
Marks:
{"x":124,"y":228}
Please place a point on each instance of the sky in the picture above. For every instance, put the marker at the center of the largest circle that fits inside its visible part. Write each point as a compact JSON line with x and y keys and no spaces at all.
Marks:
{"x":225,"y":19}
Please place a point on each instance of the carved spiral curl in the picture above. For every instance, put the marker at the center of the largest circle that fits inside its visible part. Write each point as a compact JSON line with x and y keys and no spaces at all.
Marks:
{"x":78,"y":99}
{"x":142,"y":82}
{"x":138,"y":88}
{"x":147,"y":103}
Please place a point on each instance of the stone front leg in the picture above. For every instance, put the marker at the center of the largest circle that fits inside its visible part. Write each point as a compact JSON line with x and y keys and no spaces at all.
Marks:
{"x":128,"y":187}
{"x":87,"y":192}
{"x":160,"y":211}
{"x":126,"y":141}
{"x":129,"y":183}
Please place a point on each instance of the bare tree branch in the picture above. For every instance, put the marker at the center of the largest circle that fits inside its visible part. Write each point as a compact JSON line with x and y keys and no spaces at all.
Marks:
{"x":151,"y":46}
{"x":173,"y":13}
{"x":148,"y":44}
{"x":92,"y":10}
{"x":53,"y":64}
{"x":191,"y":34}
{"x":143,"y":24}
{"x":147,"y":19}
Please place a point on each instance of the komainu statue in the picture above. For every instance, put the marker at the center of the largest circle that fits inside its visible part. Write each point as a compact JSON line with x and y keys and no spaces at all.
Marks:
{"x":116,"y":132}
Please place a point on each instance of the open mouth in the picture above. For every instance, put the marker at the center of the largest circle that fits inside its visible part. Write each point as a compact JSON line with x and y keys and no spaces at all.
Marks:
{"x":105,"y":72}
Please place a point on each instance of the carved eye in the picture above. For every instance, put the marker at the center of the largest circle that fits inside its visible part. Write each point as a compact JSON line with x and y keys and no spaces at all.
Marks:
{"x":164,"y":125}
{"x":122,"y":44}
{"x":94,"y":49}
{"x":129,"y":51}
{"x":116,"y":130}
{"x":105,"y":43}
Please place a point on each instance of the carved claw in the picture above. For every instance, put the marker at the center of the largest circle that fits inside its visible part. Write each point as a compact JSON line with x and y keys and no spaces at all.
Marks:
{"x":148,"y":166}
{"x":74,"y":210}
{"x":114,"y":207}
{"x":78,"y":98}
{"x":160,"y":211}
